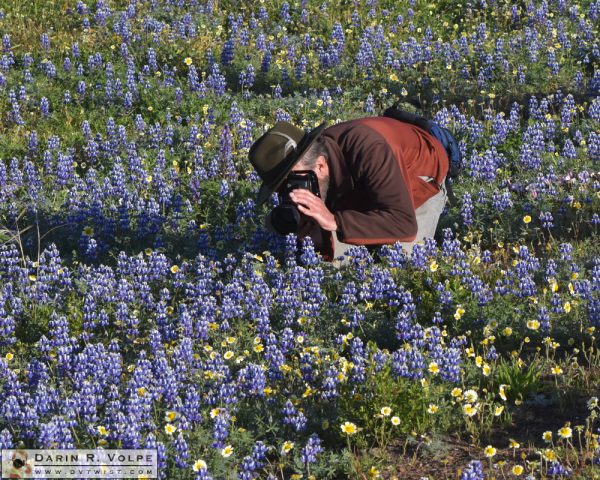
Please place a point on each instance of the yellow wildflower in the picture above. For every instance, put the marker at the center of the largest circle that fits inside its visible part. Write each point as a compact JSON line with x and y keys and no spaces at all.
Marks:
{"x":170,"y":429}
{"x":565,"y":432}
{"x":287,"y":447}
{"x":459,"y":313}
{"x":489,"y":451}
{"x":348,"y":428}
{"x":434,"y":368}
{"x":517,"y":470}
{"x":227,"y":451}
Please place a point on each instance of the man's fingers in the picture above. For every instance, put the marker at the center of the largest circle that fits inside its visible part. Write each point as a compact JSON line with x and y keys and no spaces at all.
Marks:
{"x":304,"y":197}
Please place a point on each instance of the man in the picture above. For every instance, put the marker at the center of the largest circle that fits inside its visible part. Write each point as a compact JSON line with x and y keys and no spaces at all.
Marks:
{"x":381,"y":180}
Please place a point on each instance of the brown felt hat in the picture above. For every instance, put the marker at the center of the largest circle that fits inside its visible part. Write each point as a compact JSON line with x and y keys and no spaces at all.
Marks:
{"x":275,"y":153}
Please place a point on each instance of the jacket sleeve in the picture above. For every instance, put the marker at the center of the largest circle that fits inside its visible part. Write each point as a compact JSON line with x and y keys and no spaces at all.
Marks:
{"x":388,"y":215}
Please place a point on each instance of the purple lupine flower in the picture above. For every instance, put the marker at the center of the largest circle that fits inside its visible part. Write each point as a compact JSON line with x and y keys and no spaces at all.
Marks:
{"x":252,"y":380}
{"x":593,"y":143}
{"x":33,"y":142}
{"x":408,"y":363}
{"x":551,"y":269}
{"x":45,"y":41}
{"x":313,"y":447}
{"x":473,"y":471}
{"x":182,"y":453}
{"x":450,"y":365}
{"x":300,"y":68}
{"x":80,"y":89}
{"x":285,"y":12}
{"x":466,"y":210}
{"x":569,"y":149}
{"x":6,"y":439}
{"x":216,"y":81}
{"x":556,"y":469}
{"x":7,"y":321}
{"x":565,"y":251}
{"x":6,"y":43}
{"x":228,"y":51}
{"x":547,"y":220}
{"x":308,"y":255}
{"x":365,"y":58}
{"x":220,"y":430}
{"x":370,"y":104}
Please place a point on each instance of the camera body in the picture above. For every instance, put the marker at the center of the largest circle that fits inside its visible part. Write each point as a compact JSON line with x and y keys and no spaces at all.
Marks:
{"x":285,"y":218}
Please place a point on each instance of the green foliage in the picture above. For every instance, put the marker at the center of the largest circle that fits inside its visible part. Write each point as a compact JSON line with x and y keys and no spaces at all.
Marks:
{"x":522,"y":380}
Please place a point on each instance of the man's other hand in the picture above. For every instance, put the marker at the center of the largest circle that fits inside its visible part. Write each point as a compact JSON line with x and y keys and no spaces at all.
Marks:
{"x":314,"y":207}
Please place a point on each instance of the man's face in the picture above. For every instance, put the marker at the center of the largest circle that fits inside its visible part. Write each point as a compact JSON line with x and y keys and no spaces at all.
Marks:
{"x":322,"y":172}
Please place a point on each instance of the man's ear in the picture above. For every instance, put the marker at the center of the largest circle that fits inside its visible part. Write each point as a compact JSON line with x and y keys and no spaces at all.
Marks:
{"x":322,"y":165}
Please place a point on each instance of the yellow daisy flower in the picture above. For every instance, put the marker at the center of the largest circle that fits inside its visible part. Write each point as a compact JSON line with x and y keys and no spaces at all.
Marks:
{"x":170,"y":416}
{"x":517,"y":470}
{"x":489,"y":451}
{"x":565,"y":432}
{"x":533,"y":324}
{"x":227,"y":451}
{"x":349,"y":428}
{"x":287,"y":447}
{"x":549,"y":455}
{"x":434,"y":368}
{"x":469,"y":410}
{"x":471,"y":396}
{"x":170,"y":429}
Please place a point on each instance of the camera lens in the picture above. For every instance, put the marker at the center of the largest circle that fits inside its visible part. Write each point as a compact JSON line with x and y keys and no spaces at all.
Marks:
{"x":18,"y":463}
{"x":285,"y":219}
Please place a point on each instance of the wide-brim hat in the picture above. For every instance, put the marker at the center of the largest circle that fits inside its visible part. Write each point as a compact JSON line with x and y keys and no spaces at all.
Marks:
{"x":275,"y":153}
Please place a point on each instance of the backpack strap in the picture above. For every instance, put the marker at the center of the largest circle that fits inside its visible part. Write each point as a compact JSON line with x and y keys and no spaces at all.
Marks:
{"x":408,"y":117}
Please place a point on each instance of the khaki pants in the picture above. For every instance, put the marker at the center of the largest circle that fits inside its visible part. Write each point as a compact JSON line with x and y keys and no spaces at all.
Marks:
{"x":427,"y":215}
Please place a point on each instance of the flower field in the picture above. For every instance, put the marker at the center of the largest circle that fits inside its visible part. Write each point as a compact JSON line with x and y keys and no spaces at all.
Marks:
{"x":143,"y":304}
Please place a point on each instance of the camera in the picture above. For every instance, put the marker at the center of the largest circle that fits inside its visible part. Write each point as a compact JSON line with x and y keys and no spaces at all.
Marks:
{"x":285,"y":218}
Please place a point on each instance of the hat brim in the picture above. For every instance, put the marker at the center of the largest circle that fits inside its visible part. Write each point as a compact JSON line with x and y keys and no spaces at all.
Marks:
{"x":267,"y":189}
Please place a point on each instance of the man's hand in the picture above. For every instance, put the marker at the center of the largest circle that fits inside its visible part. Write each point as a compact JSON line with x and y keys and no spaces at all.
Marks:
{"x":314,"y":207}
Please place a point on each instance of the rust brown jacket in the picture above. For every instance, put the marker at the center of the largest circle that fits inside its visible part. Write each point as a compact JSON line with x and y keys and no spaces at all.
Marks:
{"x":374,"y":185}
